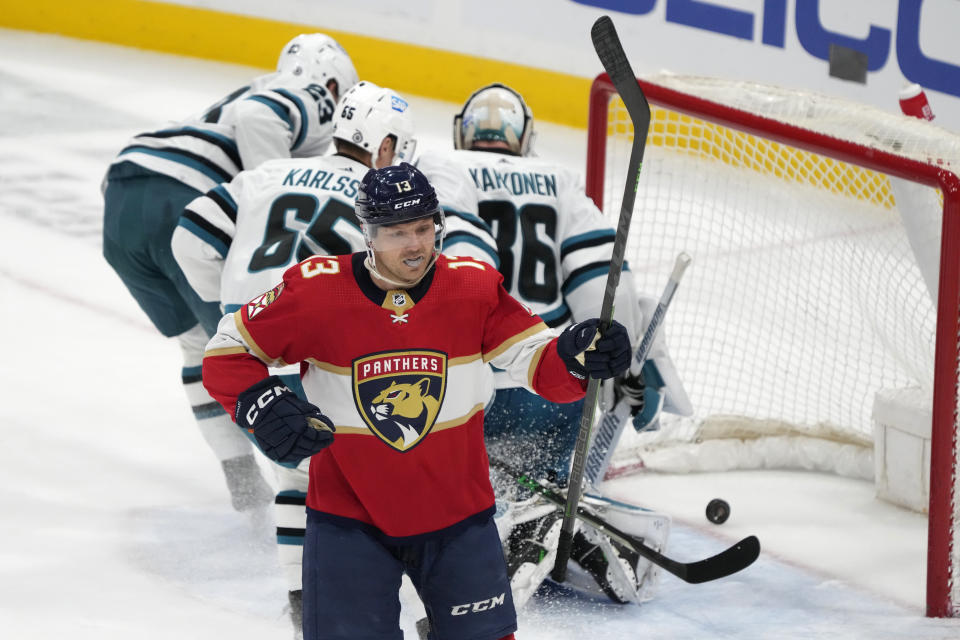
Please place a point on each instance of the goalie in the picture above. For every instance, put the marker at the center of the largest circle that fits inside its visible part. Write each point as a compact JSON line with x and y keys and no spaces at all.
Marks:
{"x":555,"y":249}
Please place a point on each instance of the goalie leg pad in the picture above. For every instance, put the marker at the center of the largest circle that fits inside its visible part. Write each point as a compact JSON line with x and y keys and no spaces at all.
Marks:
{"x":533,"y":549}
{"x":529,"y":530}
{"x":612,"y":566}
{"x":631,"y":578}
{"x":511,"y":514}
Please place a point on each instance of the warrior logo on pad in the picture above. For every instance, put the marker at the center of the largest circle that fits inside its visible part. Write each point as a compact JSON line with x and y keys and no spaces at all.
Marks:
{"x":399,"y":394}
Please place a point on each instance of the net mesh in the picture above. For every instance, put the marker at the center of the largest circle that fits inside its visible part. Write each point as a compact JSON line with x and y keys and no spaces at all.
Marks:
{"x":813,"y":285}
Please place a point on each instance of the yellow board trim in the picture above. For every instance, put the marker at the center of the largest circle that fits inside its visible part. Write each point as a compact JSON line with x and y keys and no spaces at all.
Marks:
{"x":213,"y":35}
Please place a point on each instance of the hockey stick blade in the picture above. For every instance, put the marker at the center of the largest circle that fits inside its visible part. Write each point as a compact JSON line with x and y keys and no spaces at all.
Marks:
{"x":614,"y":60}
{"x":607,"y":44}
{"x":727,"y":562}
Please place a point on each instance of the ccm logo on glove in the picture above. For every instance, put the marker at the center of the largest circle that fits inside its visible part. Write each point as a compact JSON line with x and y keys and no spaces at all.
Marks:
{"x":286,"y":427}
{"x":262,"y":401}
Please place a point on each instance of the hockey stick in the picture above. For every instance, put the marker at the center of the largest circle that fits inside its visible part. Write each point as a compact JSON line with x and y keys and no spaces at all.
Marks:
{"x":727,"y":562}
{"x":614,"y":60}
{"x":612,"y":422}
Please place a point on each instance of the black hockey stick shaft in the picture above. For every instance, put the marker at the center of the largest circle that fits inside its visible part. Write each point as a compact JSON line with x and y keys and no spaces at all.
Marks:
{"x":733,"y":559}
{"x":614,"y":60}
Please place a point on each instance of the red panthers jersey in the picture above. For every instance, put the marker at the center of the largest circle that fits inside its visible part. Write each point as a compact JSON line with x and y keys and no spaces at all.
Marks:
{"x":404,"y":376}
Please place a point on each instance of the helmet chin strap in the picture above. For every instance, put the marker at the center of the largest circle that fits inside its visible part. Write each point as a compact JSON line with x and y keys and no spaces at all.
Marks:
{"x":371,"y":264}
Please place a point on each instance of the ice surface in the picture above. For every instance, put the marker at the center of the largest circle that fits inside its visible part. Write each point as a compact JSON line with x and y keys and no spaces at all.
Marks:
{"x":115,"y":520}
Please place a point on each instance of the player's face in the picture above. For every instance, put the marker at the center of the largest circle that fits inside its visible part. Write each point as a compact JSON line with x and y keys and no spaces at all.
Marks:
{"x":403,"y":251}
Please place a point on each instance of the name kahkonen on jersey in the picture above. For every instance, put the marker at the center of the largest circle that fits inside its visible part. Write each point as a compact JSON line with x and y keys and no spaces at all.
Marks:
{"x":399,"y":394}
{"x":516,"y":182}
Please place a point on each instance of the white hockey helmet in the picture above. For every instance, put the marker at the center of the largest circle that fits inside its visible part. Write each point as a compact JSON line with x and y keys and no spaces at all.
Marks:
{"x":368,"y":113}
{"x":318,"y":58}
{"x":495,"y":113}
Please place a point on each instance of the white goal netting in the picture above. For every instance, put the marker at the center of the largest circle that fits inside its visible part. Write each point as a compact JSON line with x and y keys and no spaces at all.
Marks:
{"x":815,"y":274}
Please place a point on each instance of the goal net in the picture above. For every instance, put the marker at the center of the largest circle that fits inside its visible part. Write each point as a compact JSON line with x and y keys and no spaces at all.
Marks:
{"x":816,"y":292}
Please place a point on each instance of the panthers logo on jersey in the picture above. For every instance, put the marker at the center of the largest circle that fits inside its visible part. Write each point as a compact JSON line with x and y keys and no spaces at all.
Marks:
{"x":399,"y":394}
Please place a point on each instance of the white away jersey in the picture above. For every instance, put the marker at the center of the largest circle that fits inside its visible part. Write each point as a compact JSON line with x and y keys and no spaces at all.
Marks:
{"x":554,"y":244}
{"x":467,"y":234}
{"x":236,"y":241}
{"x":275,"y":116}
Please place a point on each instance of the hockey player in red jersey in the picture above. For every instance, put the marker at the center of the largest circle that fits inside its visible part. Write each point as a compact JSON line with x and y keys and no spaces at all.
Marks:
{"x":237,"y":241}
{"x":394,"y":345}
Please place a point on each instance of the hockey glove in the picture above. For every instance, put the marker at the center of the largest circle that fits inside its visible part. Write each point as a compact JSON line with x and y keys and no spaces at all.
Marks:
{"x":645,"y":401}
{"x":585,"y":352}
{"x":287,"y":428}
{"x":631,"y":390}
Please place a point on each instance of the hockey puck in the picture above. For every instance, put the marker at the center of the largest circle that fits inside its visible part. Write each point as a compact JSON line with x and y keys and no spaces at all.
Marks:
{"x":718,"y":511}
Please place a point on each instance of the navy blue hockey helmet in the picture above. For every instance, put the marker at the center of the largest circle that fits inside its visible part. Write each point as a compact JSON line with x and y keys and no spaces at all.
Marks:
{"x":396,"y":194}
{"x":391,"y":196}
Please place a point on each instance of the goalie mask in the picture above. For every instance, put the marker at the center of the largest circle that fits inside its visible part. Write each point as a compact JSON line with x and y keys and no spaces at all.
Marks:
{"x":318,"y":58}
{"x":392,"y":196}
{"x":495,"y":113}
{"x":367,"y":114}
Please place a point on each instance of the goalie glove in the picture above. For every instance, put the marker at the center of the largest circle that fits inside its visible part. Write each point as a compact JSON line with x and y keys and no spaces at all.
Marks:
{"x":645,"y":401}
{"x":587,"y":353}
{"x":631,"y":390}
{"x":287,"y":428}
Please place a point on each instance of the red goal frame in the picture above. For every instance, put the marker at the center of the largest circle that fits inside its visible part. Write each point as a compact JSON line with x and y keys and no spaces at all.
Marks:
{"x":940,"y":537}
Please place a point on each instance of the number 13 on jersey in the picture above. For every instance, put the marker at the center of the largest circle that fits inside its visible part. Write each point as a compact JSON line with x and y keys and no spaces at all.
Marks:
{"x":319,"y":264}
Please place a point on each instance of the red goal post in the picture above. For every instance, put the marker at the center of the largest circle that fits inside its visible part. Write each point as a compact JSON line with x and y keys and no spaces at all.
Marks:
{"x":827,"y":145}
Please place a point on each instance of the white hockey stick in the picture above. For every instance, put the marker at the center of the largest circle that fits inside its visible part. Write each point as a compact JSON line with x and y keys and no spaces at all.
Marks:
{"x":607,"y":433}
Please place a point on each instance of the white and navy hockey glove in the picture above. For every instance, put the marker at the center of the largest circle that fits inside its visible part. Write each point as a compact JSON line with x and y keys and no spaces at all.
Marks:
{"x":585,"y":353}
{"x":287,"y":428}
{"x":645,"y":400}
{"x":631,"y":389}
